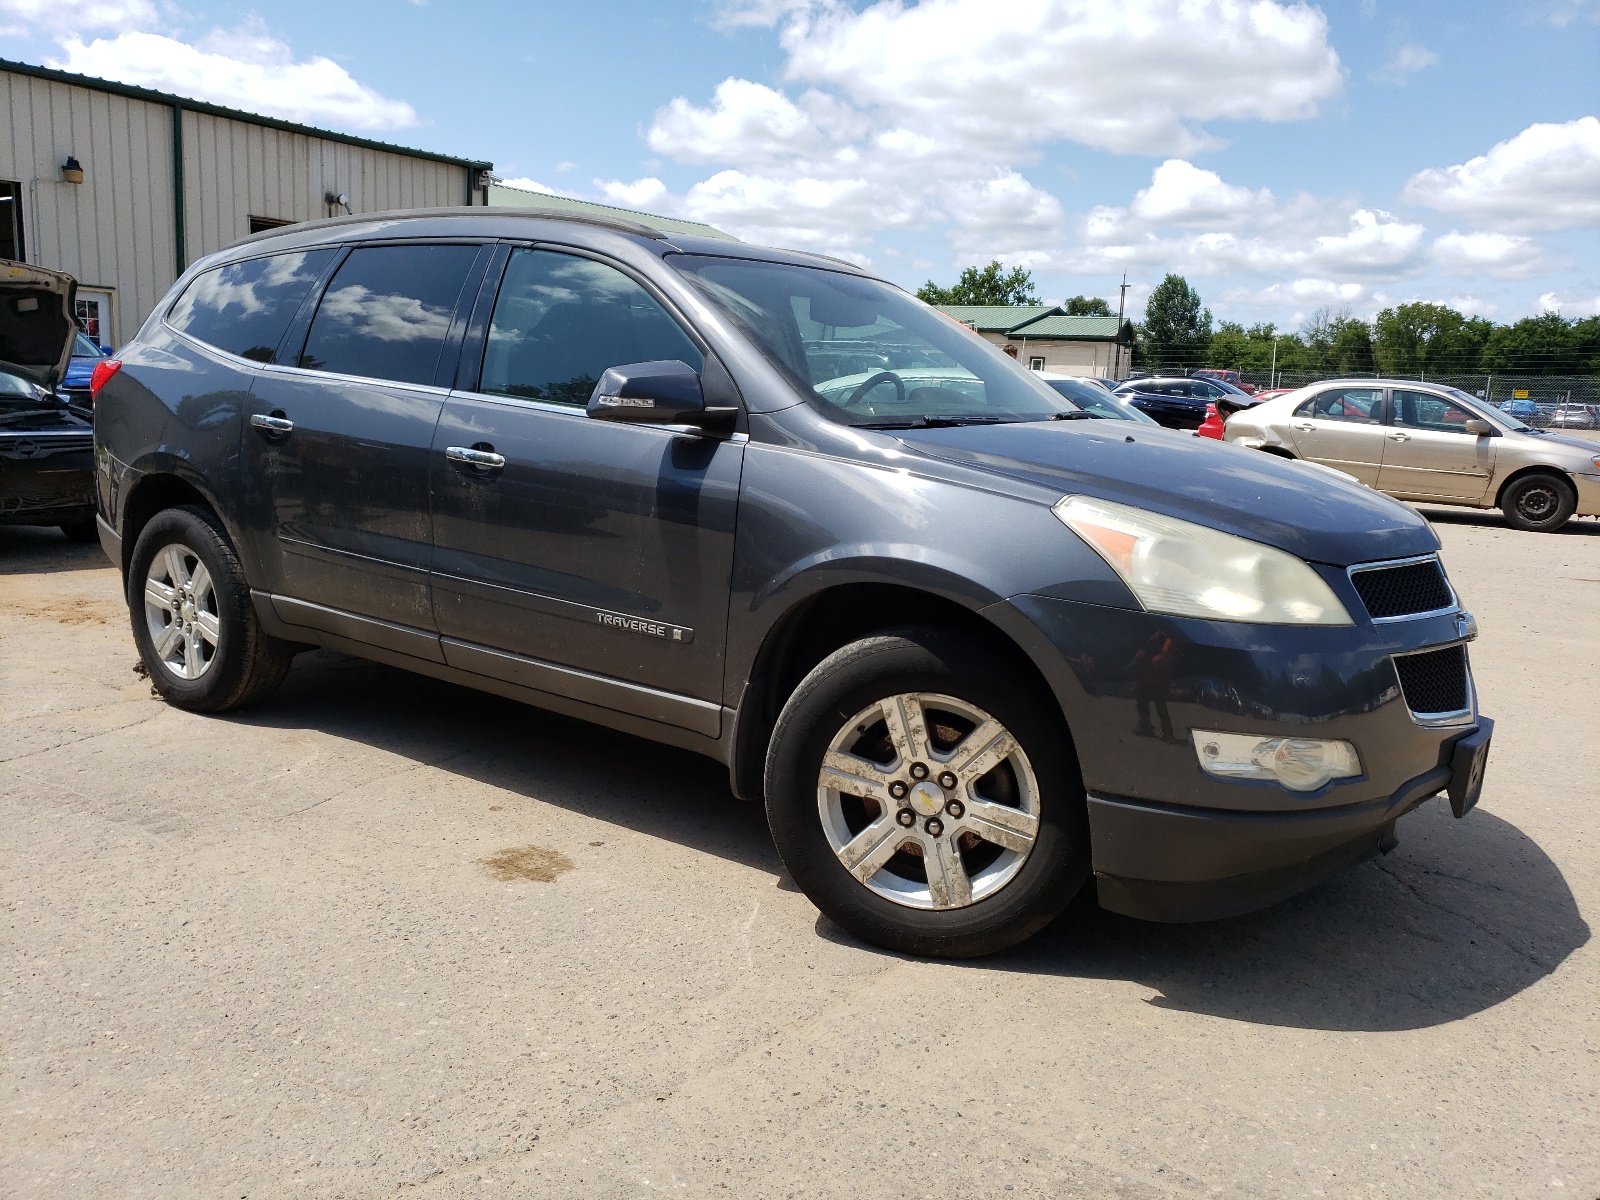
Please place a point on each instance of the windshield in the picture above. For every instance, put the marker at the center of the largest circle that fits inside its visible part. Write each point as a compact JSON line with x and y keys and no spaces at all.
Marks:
{"x":1094,"y":398}
{"x":866,"y":352}
{"x":82,"y":347}
{"x":1485,"y":409}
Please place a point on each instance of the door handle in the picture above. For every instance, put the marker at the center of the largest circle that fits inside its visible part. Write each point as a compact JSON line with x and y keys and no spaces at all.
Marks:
{"x":272,"y":424}
{"x":1399,"y":437}
{"x":1306,"y":428}
{"x":470,"y":456}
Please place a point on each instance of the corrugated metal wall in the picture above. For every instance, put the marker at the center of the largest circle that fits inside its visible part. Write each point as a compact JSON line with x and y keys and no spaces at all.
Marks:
{"x":115,"y":230}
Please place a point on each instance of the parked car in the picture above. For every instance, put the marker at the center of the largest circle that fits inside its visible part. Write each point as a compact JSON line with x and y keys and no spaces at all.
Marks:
{"x":1228,"y":376}
{"x":1525,"y":411}
{"x":1094,"y":399}
{"x":956,"y":646}
{"x":1176,"y":402}
{"x":1425,"y":442}
{"x":1271,"y":393}
{"x":46,"y":443}
{"x":86,"y":356}
{"x":1573,"y":416}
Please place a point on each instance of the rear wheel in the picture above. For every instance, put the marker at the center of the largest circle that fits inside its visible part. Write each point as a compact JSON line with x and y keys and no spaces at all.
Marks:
{"x":924,"y":799}
{"x":1538,"y":503}
{"x":192,"y":618}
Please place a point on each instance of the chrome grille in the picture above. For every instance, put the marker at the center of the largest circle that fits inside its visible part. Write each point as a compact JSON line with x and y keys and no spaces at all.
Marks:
{"x":1403,"y":589}
{"x":1434,"y":682}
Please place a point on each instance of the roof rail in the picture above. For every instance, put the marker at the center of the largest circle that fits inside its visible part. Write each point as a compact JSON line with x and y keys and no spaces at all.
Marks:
{"x":615,"y":224}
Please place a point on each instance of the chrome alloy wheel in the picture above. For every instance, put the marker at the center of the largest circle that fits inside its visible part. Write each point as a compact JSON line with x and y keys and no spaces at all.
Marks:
{"x":928,"y":801}
{"x":180,"y":609}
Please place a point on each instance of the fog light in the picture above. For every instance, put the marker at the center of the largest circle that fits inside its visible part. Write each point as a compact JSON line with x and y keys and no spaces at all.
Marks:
{"x":1300,"y":764}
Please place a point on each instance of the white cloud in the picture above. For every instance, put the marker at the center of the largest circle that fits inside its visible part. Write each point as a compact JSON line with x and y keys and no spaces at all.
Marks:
{"x":1570,"y":304}
{"x":1565,"y":12}
{"x":1183,"y":194}
{"x":1501,"y":255}
{"x":1545,"y":178}
{"x":78,"y":16}
{"x":523,"y":183}
{"x":642,"y":193}
{"x":1410,"y":59}
{"x":244,"y":68}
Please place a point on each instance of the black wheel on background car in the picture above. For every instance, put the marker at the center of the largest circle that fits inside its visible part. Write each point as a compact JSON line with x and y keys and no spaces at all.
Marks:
{"x":192,"y":619}
{"x":81,"y":531}
{"x":923,"y":793}
{"x":1538,"y":503}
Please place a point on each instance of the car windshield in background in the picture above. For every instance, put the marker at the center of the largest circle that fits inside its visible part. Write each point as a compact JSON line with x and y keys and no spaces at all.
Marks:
{"x":82,"y":347}
{"x":867,"y":352}
{"x":1093,"y":398}
{"x":1486,"y":409}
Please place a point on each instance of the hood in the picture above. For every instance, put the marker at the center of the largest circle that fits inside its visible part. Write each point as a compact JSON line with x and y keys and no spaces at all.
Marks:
{"x":1549,"y":438}
{"x":36,"y":324}
{"x":1310,"y":513}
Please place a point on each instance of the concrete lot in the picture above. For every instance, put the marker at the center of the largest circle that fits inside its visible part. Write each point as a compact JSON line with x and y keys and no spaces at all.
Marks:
{"x":276,"y":955}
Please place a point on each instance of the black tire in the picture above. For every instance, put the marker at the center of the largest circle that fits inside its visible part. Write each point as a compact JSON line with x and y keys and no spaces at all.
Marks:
{"x":81,"y":532}
{"x":246,"y":663}
{"x":938,"y":662}
{"x":1538,"y":503}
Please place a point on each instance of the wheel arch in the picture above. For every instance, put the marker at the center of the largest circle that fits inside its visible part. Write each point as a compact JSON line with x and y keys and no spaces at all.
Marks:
{"x":831,"y":617}
{"x":1536,"y":469}
{"x":165,"y":483}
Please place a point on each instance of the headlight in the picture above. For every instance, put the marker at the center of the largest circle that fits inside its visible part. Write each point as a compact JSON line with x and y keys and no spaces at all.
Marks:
{"x":1187,"y":570}
{"x":1301,"y":764}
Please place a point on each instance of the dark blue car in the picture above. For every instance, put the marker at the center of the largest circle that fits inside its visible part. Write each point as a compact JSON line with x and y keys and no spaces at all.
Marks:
{"x":85,"y":357}
{"x":1177,"y":403}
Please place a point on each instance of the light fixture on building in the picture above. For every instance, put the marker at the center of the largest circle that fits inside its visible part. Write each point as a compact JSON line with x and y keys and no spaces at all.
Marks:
{"x":341,"y":199}
{"x":72,"y":170}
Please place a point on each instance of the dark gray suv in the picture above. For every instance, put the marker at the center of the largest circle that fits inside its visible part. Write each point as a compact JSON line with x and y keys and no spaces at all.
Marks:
{"x":967,"y":649}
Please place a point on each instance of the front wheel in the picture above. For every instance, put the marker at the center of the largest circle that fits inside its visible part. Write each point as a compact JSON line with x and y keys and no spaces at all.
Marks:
{"x":1538,"y":503}
{"x":192,"y":619}
{"x":923,"y":794}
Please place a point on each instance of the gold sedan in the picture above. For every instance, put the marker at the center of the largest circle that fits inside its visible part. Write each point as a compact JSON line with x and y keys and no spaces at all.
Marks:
{"x":1432,"y":444}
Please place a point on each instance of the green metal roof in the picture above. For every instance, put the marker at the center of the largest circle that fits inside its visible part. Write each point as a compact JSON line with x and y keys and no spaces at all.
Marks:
{"x":502,"y":196}
{"x":1059,"y":325}
{"x":997,"y":318}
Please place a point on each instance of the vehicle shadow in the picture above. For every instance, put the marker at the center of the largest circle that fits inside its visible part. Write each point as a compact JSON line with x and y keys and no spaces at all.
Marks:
{"x":44,"y":550}
{"x":1494,"y":519}
{"x":1464,"y":915}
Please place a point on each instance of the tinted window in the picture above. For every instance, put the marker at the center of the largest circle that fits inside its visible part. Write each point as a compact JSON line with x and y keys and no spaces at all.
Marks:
{"x":560,"y":321}
{"x":1423,"y":410}
{"x":244,"y":307}
{"x":1361,"y":405}
{"x":387,"y":312}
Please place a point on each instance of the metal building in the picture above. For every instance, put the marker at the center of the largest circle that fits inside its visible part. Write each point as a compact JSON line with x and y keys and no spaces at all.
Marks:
{"x":122,"y":187}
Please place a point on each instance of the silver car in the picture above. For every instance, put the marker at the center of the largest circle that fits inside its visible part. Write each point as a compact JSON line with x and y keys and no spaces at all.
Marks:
{"x":1432,"y":444}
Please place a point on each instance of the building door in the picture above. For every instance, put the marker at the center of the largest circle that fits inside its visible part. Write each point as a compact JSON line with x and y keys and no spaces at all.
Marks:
{"x":594,"y":558}
{"x":93,"y":308}
{"x":338,"y":441}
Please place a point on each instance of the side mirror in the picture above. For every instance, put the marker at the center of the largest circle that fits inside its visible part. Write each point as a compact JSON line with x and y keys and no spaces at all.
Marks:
{"x":1478,"y":426}
{"x":665,"y":392}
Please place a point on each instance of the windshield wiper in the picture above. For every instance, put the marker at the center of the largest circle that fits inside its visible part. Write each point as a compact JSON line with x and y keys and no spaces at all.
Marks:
{"x":1081,"y":414}
{"x":936,"y":422}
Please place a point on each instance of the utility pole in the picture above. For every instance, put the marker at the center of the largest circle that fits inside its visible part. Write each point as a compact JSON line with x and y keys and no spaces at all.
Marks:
{"x":1122,"y":300}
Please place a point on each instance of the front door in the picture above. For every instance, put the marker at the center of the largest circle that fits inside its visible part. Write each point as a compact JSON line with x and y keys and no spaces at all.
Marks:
{"x":337,"y":444}
{"x":1342,"y":428}
{"x":1430,"y":453}
{"x":595,"y":561}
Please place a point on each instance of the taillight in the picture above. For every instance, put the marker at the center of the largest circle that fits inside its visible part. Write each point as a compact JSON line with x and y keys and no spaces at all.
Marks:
{"x":1213,"y":424}
{"x":103,"y":371}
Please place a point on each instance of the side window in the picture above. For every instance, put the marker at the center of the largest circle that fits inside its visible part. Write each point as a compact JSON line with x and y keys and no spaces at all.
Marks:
{"x":561,"y":320}
{"x":1423,"y":410}
{"x":1362,"y":406}
{"x":387,"y":311}
{"x":244,"y":307}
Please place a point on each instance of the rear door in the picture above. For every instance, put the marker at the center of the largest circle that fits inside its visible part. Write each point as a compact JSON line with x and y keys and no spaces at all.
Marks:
{"x":1428,"y":451}
{"x":1342,"y":427}
{"x":594,"y":561}
{"x":337,"y":441}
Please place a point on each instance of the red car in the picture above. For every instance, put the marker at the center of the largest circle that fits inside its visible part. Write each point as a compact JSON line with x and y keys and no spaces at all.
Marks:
{"x":1228,"y":375}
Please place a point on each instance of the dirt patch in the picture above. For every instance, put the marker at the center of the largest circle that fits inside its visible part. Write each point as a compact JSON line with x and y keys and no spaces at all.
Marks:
{"x":526,"y":862}
{"x":67,"y":610}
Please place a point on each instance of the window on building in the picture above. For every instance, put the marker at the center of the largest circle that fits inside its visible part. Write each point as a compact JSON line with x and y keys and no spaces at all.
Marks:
{"x":1036,"y":363}
{"x":11,"y":243}
{"x":560,"y":321}
{"x":245,"y":307}
{"x":262,"y":224}
{"x":387,"y":312}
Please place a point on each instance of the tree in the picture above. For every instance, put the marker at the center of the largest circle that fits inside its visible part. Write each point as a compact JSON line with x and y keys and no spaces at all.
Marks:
{"x":1177,"y":330}
{"x":983,"y":285}
{"x":1088,"y":306}
{"x":1414,"y":339}
{"x":1543,"y":345}
{"x":1337,"y":343}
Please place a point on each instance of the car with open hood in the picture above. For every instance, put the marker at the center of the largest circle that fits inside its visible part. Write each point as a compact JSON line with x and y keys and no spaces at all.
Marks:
{"x":766,"y":507}
{"x":1428,"y":443}
{"x":46,"y":441}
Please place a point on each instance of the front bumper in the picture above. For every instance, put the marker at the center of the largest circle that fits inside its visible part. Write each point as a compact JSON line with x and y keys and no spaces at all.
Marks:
{"x":1588,"y":488}
{"x":1170,"y":842}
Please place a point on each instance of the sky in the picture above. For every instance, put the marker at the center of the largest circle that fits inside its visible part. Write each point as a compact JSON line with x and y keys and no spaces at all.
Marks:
{"x":1283,"y":157}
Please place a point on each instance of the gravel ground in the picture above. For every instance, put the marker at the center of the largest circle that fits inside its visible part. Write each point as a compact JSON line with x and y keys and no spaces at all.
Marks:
{"x":381,"y":936}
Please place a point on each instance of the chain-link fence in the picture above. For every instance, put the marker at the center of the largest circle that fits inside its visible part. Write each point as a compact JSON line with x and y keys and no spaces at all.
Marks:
{"x":1546,"y":391}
